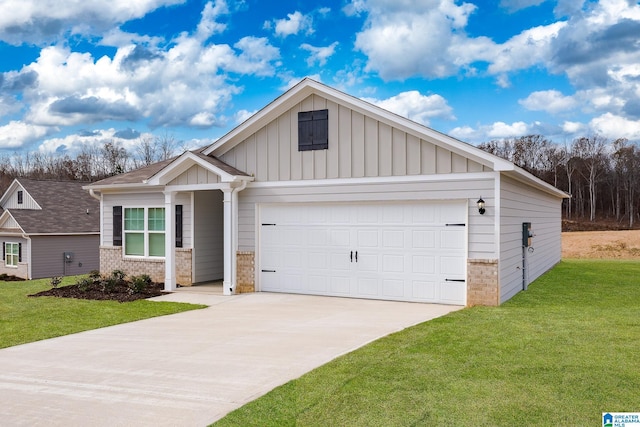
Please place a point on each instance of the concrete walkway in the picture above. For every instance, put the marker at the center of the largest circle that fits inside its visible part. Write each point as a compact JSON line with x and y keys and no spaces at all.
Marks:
{"x":192,"y":368}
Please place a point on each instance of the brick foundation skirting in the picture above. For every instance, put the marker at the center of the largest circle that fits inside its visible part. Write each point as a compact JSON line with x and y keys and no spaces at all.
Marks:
{"x":246,"y":272}
{"x":483,"y":287}
{"x":111,"y":259}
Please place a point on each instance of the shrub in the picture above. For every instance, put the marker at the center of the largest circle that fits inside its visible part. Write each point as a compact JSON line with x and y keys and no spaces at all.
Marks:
{"x":55,"y":281}
{"x":118,"y":276}
{"x":84,"y":284}
{"x":139,"y":283}
{"x":94,"y":275}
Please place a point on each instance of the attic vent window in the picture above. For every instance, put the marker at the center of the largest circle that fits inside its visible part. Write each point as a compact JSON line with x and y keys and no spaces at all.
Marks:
{"x":20,"y":197}
{"x":313,"y":130}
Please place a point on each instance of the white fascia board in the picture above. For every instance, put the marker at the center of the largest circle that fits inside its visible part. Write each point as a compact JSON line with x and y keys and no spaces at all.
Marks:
{"x":182,"y":164}
{"x":88,"y":233}
{"x":121,"y":188}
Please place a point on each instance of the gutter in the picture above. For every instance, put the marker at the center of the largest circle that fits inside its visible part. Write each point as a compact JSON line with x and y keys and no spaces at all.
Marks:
{"x":94,"y":195}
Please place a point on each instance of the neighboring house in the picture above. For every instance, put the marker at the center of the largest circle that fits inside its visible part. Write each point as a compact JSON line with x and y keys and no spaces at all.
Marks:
{"x":323,"y":193}
{"x":48,"y":228}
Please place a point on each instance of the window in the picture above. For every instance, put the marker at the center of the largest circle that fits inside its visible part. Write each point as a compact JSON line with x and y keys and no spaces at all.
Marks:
{"x":20,"y":197}
{"x":11,"y":254}
{"x":144,"y":232}
{"x":313,"y":130}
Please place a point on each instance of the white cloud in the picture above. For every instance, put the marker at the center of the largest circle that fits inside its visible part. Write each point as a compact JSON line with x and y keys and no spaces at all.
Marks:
{"x":573,"y":127}
{"x":37,"y":21}
{"x":208,"y":25}
{"x":74,"y":143}
{"x":415,"y":106}
{"x":613,"y":126}
{"x":188,"y":83}
{"x":504,"y":130}
{"x":551,"y":101}
{"x":17,"y":134}
{"x":319,"y":54}
{"x":294,"y":23}
{"x":242,"y":115}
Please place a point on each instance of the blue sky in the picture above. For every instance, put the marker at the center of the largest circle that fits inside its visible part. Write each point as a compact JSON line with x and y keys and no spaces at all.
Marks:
{"x":75,"y":74}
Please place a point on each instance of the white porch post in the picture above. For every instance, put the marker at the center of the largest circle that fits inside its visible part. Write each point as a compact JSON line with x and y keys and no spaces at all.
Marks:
{"x":228,"y":284}
{"x":169,"y":242}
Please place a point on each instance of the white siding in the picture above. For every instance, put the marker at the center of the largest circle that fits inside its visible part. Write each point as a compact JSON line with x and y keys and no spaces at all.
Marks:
{"x":520,"y":203}
{"x":208,"y":251}
{"x":481,"y":240}
{"x":359,"y":146}
{"x":195,"y":175}
{"x":27,"y":200}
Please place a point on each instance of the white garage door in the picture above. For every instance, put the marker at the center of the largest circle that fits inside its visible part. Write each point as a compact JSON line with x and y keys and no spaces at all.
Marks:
{"x":392,"y":251}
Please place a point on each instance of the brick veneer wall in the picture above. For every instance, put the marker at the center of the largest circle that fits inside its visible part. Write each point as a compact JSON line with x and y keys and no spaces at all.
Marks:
{"x":483,"y":287}
{"x":111,"y":259}
{"x":246,"y":273}
{"x":21,"y":270}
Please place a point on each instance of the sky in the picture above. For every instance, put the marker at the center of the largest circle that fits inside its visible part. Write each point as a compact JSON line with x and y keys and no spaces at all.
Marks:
{"x":85,"y":73}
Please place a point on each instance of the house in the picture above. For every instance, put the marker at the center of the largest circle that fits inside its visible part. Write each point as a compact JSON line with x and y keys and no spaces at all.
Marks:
{"x":48,"y":228}
{"x":323,"y":193}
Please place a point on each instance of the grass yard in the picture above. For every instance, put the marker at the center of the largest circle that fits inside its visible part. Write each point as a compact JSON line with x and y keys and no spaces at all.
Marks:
{"x":558,"y":354}
{"x":26,"y":319}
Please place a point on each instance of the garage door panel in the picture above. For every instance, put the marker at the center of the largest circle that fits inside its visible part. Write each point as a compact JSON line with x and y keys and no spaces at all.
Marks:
{"x":405,"y":251}
{"x":424,"y":290}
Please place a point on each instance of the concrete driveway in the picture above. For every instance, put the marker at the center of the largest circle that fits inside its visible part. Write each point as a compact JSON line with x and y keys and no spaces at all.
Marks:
{"x":192,"y":368}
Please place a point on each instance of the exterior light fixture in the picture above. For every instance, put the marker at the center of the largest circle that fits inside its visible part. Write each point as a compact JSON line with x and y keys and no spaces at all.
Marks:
{"x":481,"y":208}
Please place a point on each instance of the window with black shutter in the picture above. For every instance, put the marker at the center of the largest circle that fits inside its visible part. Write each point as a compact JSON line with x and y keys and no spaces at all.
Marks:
{"x":117,"y":226}
{"x":20,"y":197}
{"x":178,"y":226}
{"x":313,"y":130}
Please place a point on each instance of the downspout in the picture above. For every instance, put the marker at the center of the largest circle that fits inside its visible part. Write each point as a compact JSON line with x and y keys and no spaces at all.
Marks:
{"x":234,"y":233}
{"x":94,"y":195}
{"x":28,"y":239}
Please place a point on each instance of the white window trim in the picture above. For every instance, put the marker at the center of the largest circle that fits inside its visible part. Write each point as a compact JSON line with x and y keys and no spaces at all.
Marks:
{"x":145,"y":231}
{"x":7,"y":255}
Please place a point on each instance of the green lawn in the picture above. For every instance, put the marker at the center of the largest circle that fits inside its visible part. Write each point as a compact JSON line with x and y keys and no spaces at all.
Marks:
{"x":558,"y":354}
{"x":26,"y":319}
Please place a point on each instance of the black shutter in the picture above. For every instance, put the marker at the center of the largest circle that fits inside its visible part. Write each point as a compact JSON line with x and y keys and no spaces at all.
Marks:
{"x":320,"y":130}
{"x":19,"y":252}
{"x":117,"y":226}
{"x":4,"y":250}
{"x":178,"y":226}
{"x":305,"y":131}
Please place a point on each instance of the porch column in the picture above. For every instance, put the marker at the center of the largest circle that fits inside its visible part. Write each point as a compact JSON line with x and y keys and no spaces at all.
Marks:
{"x":228,"y":284}
{"x":169,"y":241}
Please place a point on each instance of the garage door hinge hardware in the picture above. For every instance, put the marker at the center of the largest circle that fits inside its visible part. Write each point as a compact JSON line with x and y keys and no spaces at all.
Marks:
{"x":268,"y":271}
{"x":456,"y":225}
{"x":454,"y":280}
{"x":268,"y":224}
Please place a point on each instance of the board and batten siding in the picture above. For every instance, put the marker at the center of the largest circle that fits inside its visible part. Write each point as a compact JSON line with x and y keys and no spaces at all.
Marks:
{"x":208,"y":249}
{"x":521,"y":203}
{"x":195,"y":175}
{"x":27,"y":201}
{"x":47,"y":255}
{"x":481,"y":242}
{"x":141,"y":200}
{"x":359,"y":146}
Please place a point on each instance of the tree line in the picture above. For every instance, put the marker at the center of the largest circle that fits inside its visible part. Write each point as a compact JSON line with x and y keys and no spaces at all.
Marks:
{"x":90,"y":164}
{"x":602,"y":176}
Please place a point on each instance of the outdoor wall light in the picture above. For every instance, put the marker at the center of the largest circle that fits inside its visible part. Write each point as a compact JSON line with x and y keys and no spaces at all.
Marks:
{"x":481,"y":206}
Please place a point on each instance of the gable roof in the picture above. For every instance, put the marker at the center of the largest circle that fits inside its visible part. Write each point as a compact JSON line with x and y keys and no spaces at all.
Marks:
{"x":64,"y":208}
{"x":156,"y":174}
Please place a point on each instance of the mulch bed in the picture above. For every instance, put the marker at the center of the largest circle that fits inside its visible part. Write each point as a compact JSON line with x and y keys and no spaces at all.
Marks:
{"x":120,"y":293}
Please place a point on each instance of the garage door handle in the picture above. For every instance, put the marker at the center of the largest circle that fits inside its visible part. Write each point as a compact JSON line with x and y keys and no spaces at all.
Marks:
{"x":454,"y":280}
{"x":456,"y":225}
{"x":268,"y":271}
{"x":351,"y":257}
{"x":356,"y":256}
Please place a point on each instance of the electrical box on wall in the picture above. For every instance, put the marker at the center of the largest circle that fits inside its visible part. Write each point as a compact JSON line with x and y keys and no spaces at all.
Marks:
{"x":68,"y":256}
{"x":527,"y":234}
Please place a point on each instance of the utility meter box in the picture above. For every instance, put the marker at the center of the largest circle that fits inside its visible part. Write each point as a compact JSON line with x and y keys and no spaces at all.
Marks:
{"x":68,"y":257}
{"x":527,"y":234}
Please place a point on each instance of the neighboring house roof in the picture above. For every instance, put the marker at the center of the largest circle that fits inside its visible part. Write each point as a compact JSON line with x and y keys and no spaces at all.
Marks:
{"x":66,"y":209}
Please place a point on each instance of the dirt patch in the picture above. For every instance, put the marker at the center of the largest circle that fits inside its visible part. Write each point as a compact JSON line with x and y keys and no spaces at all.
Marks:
{"x":601,"y":244}
{"x":120,"y":292}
